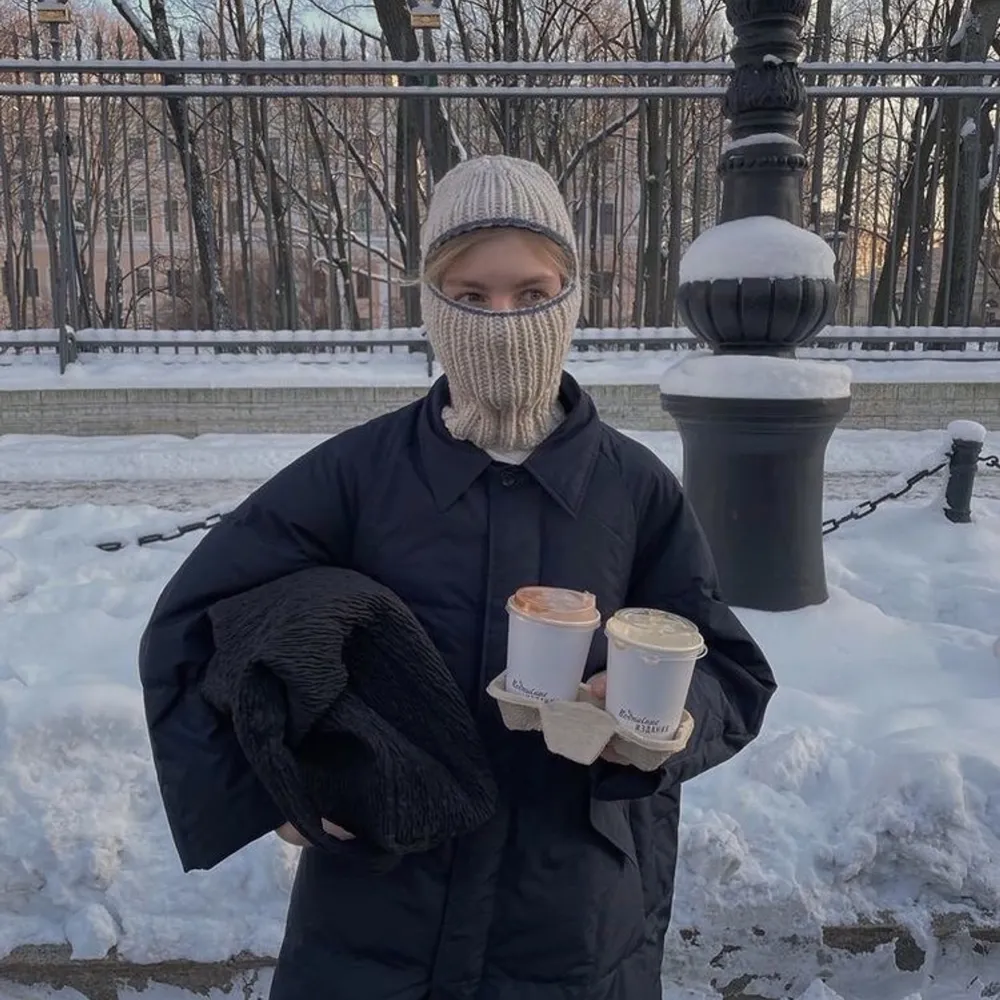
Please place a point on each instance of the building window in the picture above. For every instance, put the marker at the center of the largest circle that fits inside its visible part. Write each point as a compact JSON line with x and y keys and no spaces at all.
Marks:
{"x":607,"y":217}
{"x":363,"y":286}
{"x":142,"y":280}
{"x":234,"y":215}
{"x":140,"y":215}
{"x":168,"y":151}
{"x":174,"y":281}
{"x":319,"y":283}
{"x":135,"y":147}
{"x":115,"y":213}
{"x":361,"y":215}
{"x":31,"y":282}
{"x":171,"y":215}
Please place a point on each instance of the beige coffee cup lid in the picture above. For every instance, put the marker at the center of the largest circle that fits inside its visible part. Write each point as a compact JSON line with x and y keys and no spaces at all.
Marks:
{"x":659,"y":631}
{"x":556,"y":605}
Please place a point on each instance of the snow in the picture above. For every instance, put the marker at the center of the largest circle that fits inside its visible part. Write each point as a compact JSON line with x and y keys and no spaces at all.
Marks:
{"x":757,"y":247}
{"x":747,"y":377}
{"x":966,"y":430}
{"x":626,"y":367}
{"x":969,"y":127}
{"x":874,"y":787}
{"x":758,"y":140}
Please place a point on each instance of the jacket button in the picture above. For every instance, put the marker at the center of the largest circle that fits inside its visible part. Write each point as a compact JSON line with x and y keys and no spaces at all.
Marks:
{"x":508,"y":478}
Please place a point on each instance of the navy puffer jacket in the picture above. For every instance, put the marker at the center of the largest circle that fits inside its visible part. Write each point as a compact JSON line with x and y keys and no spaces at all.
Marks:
{"x":566,"y":893}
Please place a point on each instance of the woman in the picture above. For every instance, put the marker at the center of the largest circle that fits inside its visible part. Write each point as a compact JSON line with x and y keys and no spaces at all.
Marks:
{"x":503,"y":475}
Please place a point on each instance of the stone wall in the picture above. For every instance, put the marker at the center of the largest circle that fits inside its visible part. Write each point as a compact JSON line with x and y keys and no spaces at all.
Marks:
{"x":193,"y":411}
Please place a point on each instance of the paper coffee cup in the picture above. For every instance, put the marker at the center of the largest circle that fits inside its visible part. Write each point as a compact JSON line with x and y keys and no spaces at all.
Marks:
{"x":651,"y":658}
{"x":549,"y":633}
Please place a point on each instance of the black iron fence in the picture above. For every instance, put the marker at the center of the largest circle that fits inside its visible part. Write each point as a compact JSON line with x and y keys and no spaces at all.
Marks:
{"x":287,"y":194}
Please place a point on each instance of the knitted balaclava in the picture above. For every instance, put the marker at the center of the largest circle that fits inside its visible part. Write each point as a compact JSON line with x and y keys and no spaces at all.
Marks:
{"x":503,"y":368}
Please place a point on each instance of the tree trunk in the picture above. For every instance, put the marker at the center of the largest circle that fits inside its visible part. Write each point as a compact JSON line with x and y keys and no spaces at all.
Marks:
{"x":425,"y":116}
{"x":964,"y":165}
{"x":161,"y":46}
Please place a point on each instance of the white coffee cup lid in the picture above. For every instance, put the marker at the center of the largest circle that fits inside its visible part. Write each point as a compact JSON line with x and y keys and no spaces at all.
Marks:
{"x":556,"y":606}
{"x":659,"y":631}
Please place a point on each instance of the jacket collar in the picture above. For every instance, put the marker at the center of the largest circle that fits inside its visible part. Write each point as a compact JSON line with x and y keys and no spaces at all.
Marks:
{"x":562,"y":464}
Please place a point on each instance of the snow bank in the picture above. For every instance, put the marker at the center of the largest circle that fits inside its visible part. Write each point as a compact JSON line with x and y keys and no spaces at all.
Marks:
{"x":740,"y":376}
{"x":343,"y":369}
{"x":758,"y":247}
{"x":876,"y":785}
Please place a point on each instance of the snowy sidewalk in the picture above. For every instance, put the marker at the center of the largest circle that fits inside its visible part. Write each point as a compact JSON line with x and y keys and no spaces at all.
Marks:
{"x":873,"y":793}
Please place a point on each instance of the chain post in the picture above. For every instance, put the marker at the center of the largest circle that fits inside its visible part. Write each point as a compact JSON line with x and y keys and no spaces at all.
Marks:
{"x":962,"y":467}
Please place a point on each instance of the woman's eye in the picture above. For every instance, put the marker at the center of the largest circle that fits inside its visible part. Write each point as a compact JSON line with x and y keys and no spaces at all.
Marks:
{"x":470,"y":298}
{"x":534,"y":295}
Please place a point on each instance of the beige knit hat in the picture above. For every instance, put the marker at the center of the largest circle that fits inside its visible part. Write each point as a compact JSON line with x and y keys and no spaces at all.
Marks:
{"x":494,"y":191}
{"x":503,"y":369}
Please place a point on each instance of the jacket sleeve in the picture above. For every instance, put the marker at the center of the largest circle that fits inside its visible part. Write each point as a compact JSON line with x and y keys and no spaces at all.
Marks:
{"x":300,"y":518}
{"x":674,"y":571}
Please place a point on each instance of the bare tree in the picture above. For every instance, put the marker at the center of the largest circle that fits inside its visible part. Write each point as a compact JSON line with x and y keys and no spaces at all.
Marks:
{"x":158,"y":40}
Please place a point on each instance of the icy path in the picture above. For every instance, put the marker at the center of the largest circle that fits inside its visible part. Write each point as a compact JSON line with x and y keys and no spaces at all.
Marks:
{"x":202,"y":494}
{"x":216,"y":471}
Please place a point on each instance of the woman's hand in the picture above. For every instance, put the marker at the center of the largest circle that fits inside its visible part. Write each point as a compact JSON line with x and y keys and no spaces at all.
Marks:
{"x":598,"y":685}
{"x":291,"y":835}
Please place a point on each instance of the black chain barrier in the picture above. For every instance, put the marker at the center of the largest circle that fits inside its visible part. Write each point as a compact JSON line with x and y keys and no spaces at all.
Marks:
{"x":856,"y":513}
{"x":165,"y":536}
{"x":867,"y":507}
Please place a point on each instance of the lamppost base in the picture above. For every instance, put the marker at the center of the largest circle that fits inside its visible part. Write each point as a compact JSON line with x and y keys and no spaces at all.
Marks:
{"x":753,"y":471}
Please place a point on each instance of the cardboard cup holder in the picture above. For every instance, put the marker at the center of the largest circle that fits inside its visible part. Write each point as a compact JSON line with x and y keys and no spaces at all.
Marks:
{"x":582,"y":730}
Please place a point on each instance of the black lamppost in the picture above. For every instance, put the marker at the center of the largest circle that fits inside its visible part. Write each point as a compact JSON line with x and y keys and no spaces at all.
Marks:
{"x":754,"y":421}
